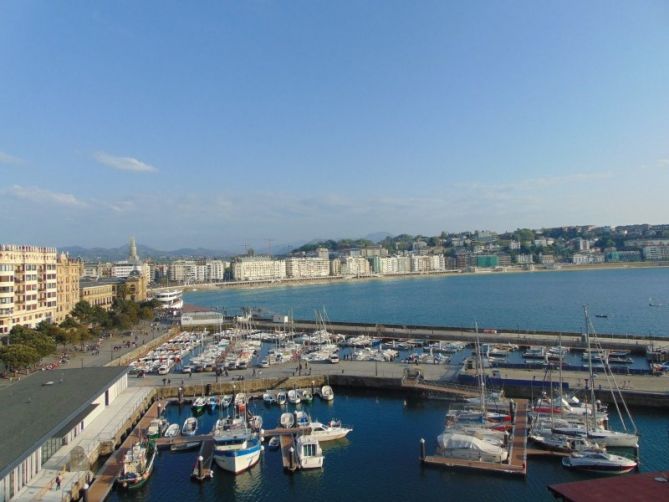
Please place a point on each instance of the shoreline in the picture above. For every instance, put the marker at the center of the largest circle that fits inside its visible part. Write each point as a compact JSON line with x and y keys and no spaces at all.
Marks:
{"x":450,"y":273}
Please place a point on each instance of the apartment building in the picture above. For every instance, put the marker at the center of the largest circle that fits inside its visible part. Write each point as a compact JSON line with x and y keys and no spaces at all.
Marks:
{"x":355,"y":266}
{"x":655,"y":253}
{"x":68,"y":272}
{"x":307,"y":268}
{"x":28,"y":285}
{"x":255,"y":268}
{"x":216,"y":270}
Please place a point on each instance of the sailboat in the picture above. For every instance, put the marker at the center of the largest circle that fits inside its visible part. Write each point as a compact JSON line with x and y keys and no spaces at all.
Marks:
{"x":600,"y":435}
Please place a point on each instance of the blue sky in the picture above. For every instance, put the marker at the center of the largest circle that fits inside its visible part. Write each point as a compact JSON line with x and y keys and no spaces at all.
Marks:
{"x":217,"y":123}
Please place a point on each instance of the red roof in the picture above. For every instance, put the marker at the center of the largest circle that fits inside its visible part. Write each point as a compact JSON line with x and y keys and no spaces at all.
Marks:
{"x":634,"y":487}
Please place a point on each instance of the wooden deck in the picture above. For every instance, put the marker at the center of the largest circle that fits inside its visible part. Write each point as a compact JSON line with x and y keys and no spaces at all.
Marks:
{"x":517,"y":464}
{"x":456,"y":390}
{"x":105,"y":478}
{"x":203,"y":471}
{"x":288,"y":457}
{"x":179,"y":440}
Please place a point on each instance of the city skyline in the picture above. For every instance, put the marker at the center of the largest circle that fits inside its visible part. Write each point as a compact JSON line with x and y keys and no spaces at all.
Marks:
{"x":245,"y":122}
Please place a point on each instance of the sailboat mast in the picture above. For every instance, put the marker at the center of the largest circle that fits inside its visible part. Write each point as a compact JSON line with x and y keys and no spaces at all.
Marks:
{"x":592,"y":375}
{"x":481,"y":373}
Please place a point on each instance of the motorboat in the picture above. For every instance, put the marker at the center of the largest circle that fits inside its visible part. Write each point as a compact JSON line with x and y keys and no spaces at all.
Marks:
{"x":293,"y":397}
{"x":137,"y":466}
{"x":281,"y":398}
{"x":535,"y":353}
{"x":190,"y":427}
{"x":599,"y":462}
{"x":328,"y":432}
{"x":301,"y":419}
{"x":464,"y":446}
{"x":287,"y":420}
{"x":327,"y":394}
{"x":199,"y":404}
{"x":226,"y":400}
{"x":172,"y":431}
{"x":305,"y":395}
{"x":308,"y":451}
{"x":213,"y":402}
{"x":274,"y":443}
{"x":269,"y":398}
{"x":157,"y":428}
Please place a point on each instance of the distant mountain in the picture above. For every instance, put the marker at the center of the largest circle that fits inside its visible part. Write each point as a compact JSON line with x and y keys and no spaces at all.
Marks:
{"x":122,"y":253}
{"x":377,"y":236}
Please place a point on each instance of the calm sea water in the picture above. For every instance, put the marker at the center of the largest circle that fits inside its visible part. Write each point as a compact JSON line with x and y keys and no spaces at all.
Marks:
{"x":377,"y":461}
{"x":533,"y":301}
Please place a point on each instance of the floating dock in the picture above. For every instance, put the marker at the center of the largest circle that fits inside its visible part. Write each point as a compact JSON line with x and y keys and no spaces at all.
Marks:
{"x":517,"y":463}
{"x":202,"y":468}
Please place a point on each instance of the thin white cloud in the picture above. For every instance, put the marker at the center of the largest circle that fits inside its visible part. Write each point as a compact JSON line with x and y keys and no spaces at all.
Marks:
{"x":663,"y":162}
{"x":42,"y":196}
{"x":10,"y":160}
{"x":123,"y":163}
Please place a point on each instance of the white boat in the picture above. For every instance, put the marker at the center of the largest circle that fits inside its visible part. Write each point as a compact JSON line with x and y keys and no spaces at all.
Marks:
{"x":281,"y":398}
{"x":614,"y":439}
{"x":169,"y":299}
{"x":328,"y":432}
{"x":190,"y":427}
{"x":327,"y":394}
{"x":463,"y":446}
{"x":287,"y":420}
{"x":334,"y":358}
{"x":240,"y":398}
{"x":199,"y":404}
{"x":163,"y":369}
{"x":213,"y":402}
{"x":269,"y":398}
{"x":274,"y":443}
{"x":535,"y":353}
{"x":226,"y":400}
{"x":308,"y":452}
{"x":599,"y":462}
{"x":293,"y":397}
{"x":301,"y":419}
{"x":172,"y":431}
{"x":236,"y":449}
{"x":305,"y":395}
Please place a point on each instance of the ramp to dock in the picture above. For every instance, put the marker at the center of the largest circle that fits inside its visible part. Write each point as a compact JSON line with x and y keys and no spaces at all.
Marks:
{"x":456,"y":390}
{"x":288,"y":456}
{"x":202,"y":468}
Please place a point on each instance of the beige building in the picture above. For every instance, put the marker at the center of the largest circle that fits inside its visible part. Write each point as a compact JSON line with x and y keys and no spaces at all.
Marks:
{"x":98,"y":293}
{"x":255,"y":268}
{"x":68,"y":272}
{"x":307,"y":268}
{"x":28,"y":288}
{"x":135,"y":287}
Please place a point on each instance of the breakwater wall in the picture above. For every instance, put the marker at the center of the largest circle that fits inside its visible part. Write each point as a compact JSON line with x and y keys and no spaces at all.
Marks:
{"x":635,"y":343}
{"x":521,"y":388}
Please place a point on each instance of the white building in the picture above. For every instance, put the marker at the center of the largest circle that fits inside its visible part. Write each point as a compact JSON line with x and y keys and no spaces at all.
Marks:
{"x":216,"y":270}
{"x":182,"y":271}
{"x":255,"y":268}
{"x":307,"y":268}
{"x":355,"y":266}
{"x":655,"y":253}
{"x":55,"y":408}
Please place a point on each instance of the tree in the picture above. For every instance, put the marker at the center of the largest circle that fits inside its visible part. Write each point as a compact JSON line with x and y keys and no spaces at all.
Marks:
{"x":83,"y":311}
{"x":18,"y":357}
{"x":41,"y":342}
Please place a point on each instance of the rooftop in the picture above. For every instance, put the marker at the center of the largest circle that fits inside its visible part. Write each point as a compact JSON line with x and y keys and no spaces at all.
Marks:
{"x":647,"y":486}
{"x":40,"y":405}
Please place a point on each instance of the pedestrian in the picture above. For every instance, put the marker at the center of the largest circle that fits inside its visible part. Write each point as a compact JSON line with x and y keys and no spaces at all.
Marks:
{"x":169,"y":381}
{"x":190,"y":375}
{"x":58,"y":481}
{"x":164,"y":381}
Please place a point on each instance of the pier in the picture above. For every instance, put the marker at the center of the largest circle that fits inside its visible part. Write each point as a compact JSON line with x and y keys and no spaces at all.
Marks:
{"x":517,"y":463}
{"x":105,"y":478}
